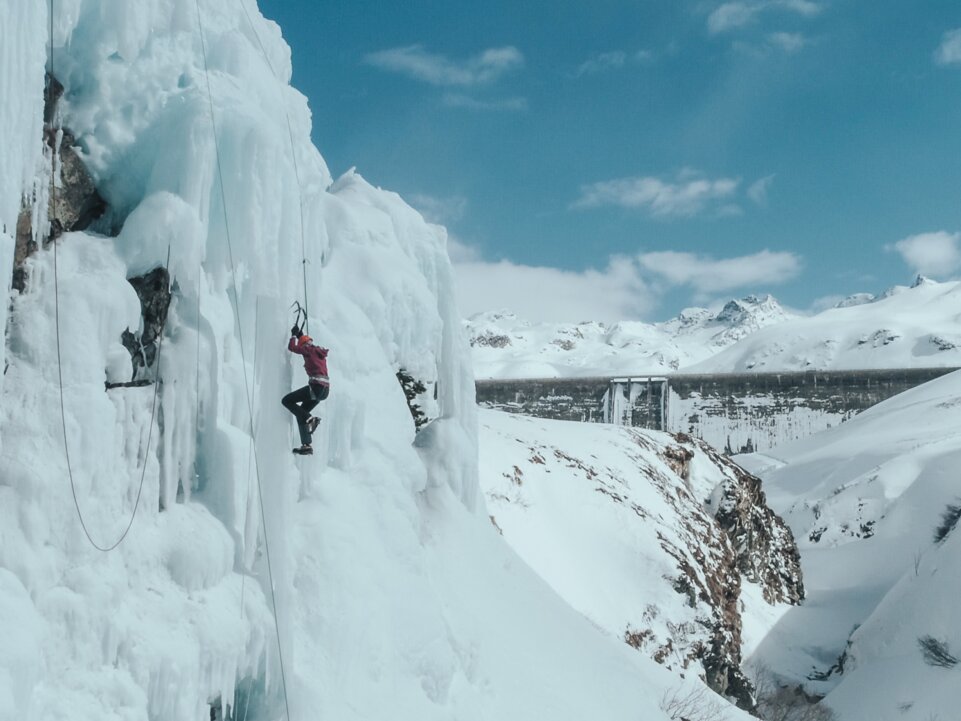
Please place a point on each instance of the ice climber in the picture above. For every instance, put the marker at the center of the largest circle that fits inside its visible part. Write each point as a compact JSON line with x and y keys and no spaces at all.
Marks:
{"x":302,"y":401}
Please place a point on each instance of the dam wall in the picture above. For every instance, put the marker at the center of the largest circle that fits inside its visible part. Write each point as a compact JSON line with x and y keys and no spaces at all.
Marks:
{"x":735,"y":412}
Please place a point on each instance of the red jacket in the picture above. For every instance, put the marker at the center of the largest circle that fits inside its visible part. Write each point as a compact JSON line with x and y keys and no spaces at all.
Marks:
{"x":315,"y":360}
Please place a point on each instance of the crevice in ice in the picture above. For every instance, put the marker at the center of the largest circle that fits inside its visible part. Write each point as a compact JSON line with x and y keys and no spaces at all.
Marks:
{"x":250,"y":701}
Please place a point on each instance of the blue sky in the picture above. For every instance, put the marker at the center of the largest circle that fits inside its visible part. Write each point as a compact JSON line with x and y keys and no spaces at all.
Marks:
{"x":626,"y":159}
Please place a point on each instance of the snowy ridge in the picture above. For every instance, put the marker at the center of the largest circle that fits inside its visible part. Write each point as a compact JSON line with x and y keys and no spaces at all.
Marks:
{"x":392,"y":595}
{"x":903,"y":328}
{"x":867,"y":502}
{"x":505,"y":346}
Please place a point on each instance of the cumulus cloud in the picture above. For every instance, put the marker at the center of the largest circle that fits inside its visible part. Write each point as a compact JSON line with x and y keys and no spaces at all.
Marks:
{"x":935,"y":254}
{"x":949,"y":52}
{"x":627,"y":288}
{"x":541,"y":293}
{"x":688,"y":195}
{"x":417,"y":63}
{"x":708,"y":276}
{"x":732,"y":15}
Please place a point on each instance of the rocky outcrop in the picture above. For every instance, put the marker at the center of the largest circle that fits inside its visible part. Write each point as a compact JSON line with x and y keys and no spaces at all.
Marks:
{"x":74,"y":205}
{"x":732,"y":536}
{"x":153,"y":289}
{"x":764,"y":545}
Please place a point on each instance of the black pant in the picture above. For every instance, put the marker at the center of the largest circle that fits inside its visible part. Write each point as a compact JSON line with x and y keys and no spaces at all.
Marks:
{"x":301,"y":402}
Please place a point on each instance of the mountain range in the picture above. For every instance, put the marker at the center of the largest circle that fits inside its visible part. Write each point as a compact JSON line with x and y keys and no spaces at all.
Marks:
{"x":903,"y":327}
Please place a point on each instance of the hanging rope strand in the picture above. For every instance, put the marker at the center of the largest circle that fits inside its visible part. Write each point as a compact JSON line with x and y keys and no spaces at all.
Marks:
{"x":56,"y":314}
{"x":293,"y":157}
{"x":243,"y":359}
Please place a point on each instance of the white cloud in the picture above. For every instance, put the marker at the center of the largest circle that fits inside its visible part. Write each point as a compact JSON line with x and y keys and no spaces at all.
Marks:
{"x":417,"y":63}
{"x":460,"y":252}
{"x":689,"y":195}
{"x":801,"y":7}
{"x":439,"y":210}
{"x":540,"y":293}
{"x":935,"y":254}
{"x":732,"y":15}
{"x":604,"y":61}
{"x":458,"y":100}
{"x":758,"y":189}
{"x":949,"y":52}
{"x":788,"y":42}
{"x":709,"y":276}
{"x":628,"y":288}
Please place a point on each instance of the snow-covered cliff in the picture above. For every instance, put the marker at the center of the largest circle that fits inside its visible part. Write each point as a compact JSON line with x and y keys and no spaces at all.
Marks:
{"x":370,"y":571}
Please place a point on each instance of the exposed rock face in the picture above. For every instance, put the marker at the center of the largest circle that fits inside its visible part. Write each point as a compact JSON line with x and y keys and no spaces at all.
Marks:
{"x":74,"y":205}
{"x":24,"y":246}
{"x":153,"y":289}
{"x":745,"y":540}
{"x":78,"y":203}
{"x":764,"y":545}
{"x":708,"y":575}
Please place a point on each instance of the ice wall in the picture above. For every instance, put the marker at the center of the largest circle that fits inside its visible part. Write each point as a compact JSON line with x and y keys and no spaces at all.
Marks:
{"x":22,"y":60}
{"x":388,"y":593}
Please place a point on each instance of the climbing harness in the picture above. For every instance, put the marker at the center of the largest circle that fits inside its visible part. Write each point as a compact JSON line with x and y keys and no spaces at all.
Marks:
{"x":56,"y":314}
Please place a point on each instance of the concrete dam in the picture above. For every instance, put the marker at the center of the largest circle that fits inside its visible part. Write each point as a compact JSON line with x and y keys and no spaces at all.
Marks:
{"x":735,"y":412}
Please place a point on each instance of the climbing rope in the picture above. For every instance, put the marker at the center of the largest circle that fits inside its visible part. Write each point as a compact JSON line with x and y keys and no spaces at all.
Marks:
{"x":243,"y":359}
{"x":293,"y":157}
{"x":56,"y":314}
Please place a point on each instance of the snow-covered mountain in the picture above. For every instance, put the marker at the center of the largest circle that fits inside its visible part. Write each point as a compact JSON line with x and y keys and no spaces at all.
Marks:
{"x":904,"y":327}
{"x":874,"y":505}
{"x":365,"y":582}
{"x":505,"y":346}
{"x":657,"y":539}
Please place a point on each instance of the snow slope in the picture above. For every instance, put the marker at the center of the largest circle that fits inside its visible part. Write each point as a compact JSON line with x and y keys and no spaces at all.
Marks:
{"x":637,"y":530}
{"x":370,"y":570}
{"x":505,"y":346}
{"x":864,"y":500}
